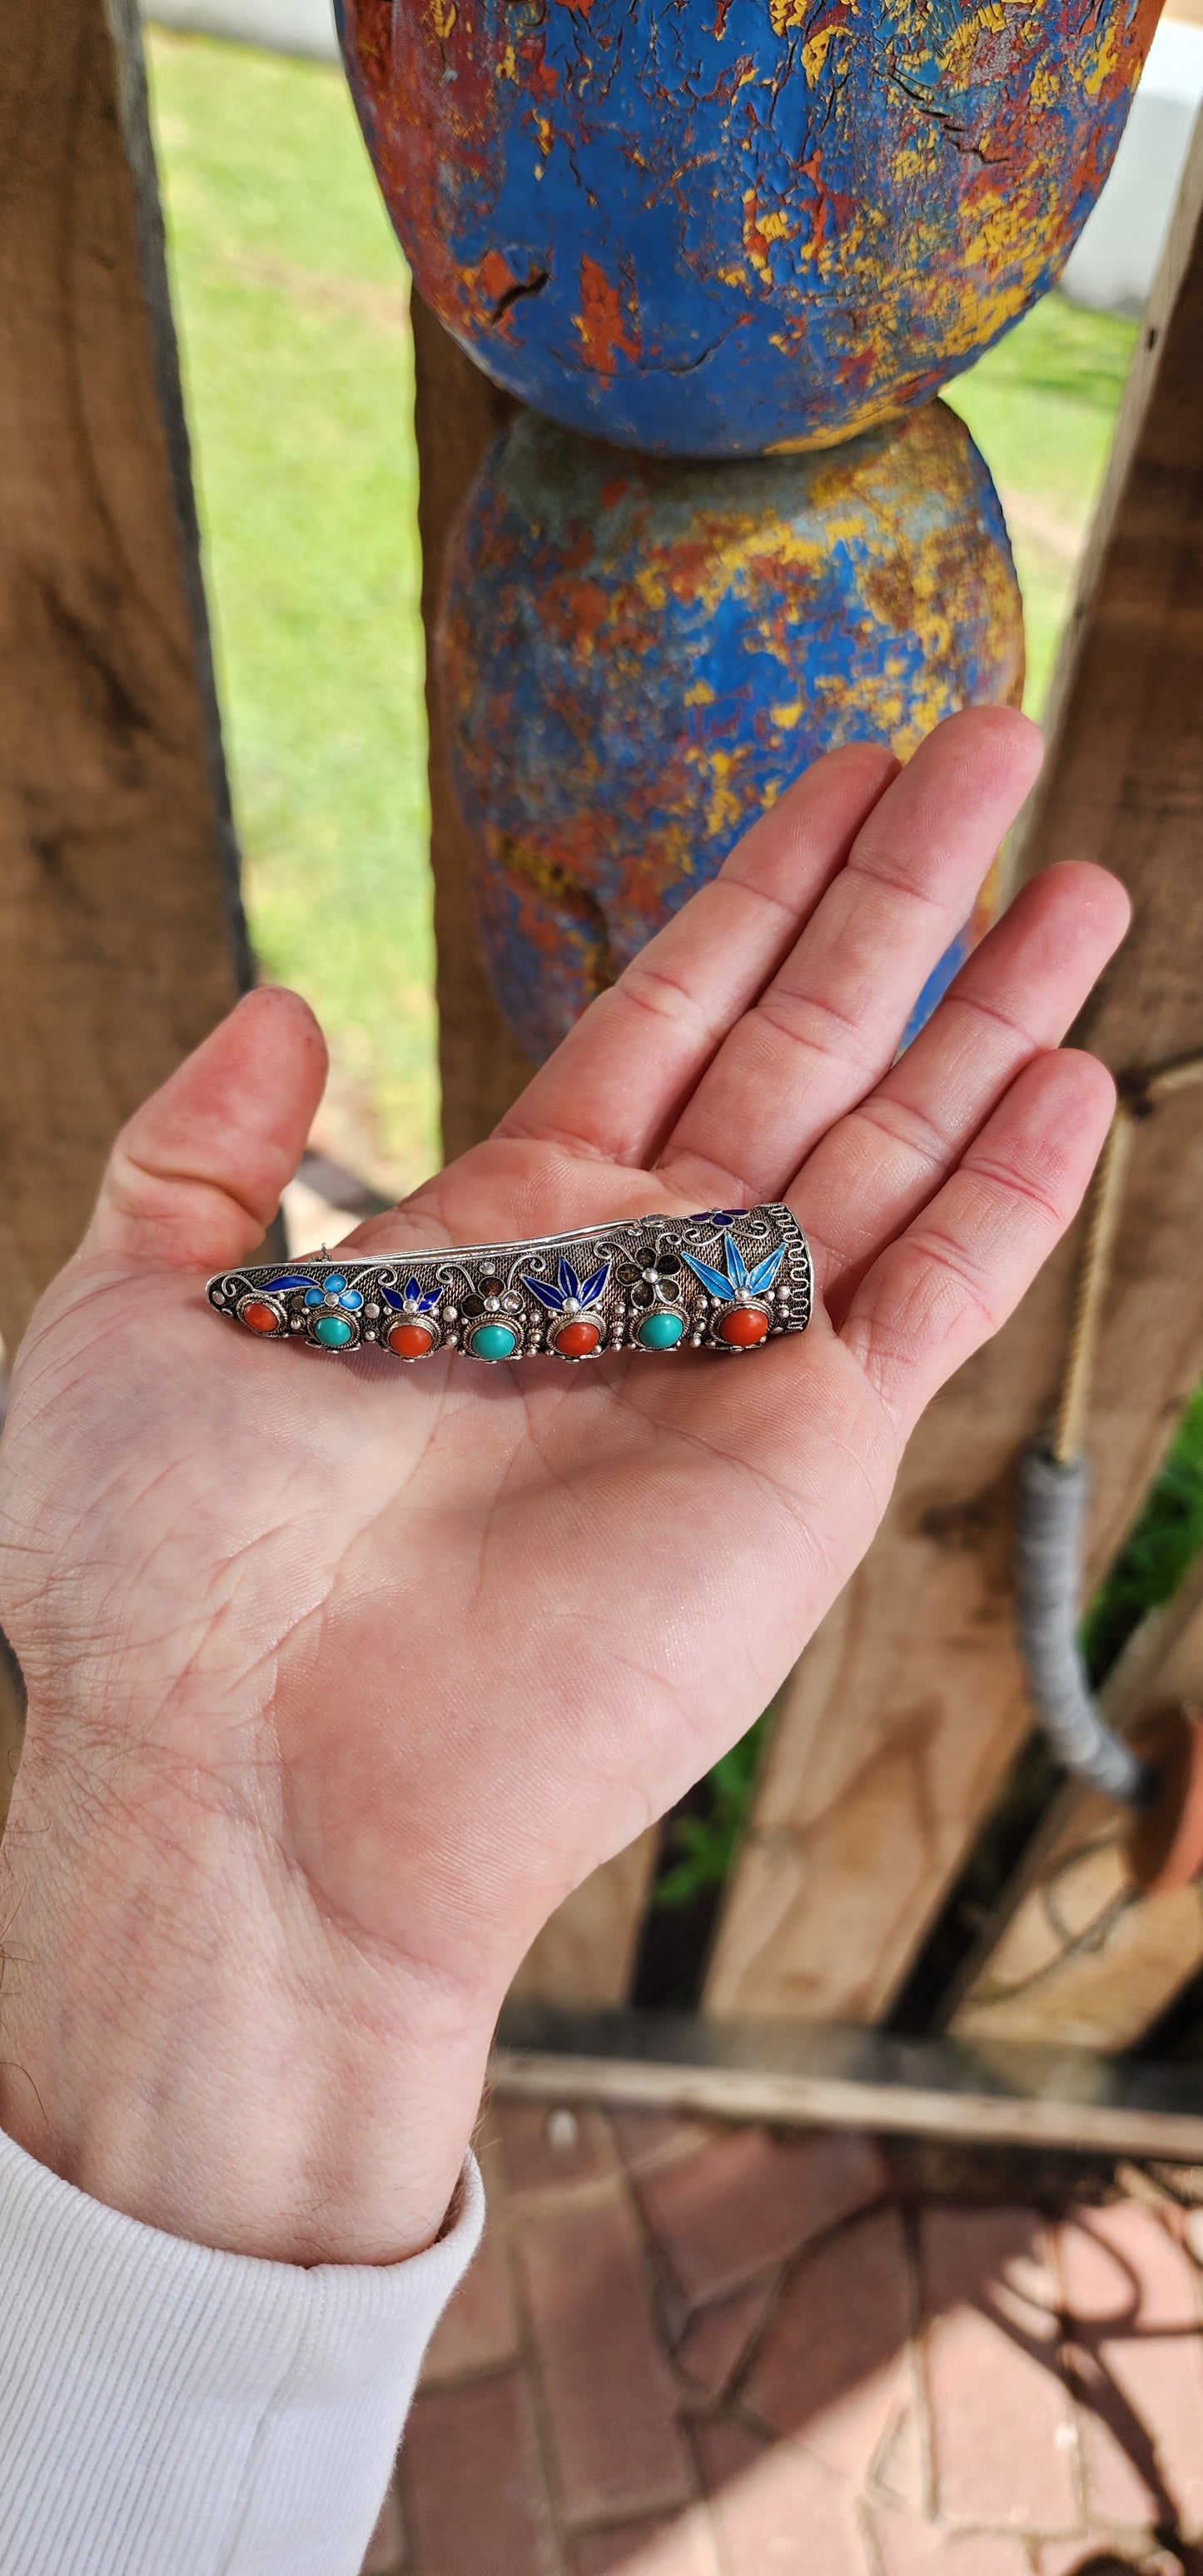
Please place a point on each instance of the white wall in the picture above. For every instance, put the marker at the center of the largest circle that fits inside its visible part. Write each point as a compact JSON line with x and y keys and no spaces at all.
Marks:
{"x":1112,"y":266}
{"x":286,"y":26}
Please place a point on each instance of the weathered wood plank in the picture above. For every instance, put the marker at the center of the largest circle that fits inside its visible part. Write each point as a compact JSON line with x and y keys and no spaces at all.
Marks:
{"x":803,"y":2102}
{"x":120,"y":932}
{"x":904,"y":1712}
{"x":899,"y":1717}
{"x":457,"y":416}
{"x":1083,"y":1957}
{"x":1067,"y":2098}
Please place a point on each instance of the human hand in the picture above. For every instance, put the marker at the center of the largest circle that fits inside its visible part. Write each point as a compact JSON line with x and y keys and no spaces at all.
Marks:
{"x":341,"y":1677}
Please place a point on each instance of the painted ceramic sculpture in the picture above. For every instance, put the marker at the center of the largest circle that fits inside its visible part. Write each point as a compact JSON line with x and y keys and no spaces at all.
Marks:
{"x":639,"y":656}
{"x":735,"y":226}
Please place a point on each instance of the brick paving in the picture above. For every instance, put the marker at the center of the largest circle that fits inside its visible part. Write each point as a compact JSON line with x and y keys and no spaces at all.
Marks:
{"x":689,"y":2350}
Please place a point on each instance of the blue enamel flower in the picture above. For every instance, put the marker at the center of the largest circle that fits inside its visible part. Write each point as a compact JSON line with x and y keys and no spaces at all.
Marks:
{"x":411,"y":1295}
{"x":738,"y":1275}
{"x":333,"y":1292}
{"x":581,"y":1292}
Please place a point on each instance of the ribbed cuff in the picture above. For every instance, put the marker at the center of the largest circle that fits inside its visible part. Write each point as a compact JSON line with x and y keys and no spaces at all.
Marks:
{"x":165,"y":2407}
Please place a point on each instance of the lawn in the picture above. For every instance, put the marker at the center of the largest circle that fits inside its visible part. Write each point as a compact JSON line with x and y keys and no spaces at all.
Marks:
{"x":291,"y":301}
{"x":1042,"y":406}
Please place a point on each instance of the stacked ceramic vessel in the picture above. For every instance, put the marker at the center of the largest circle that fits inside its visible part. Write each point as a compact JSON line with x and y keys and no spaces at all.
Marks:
{"x":727,"y":252}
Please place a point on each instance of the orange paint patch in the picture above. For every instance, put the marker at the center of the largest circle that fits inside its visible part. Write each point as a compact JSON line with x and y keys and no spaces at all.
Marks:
{"x":601,"y":321}
{"x":494,"y":278}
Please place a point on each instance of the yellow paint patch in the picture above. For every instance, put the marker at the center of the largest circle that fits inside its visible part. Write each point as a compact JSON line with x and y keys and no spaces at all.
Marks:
{"x":1047,"y":87}
{"x":1104,"y":62}
{"x":815,"y":53}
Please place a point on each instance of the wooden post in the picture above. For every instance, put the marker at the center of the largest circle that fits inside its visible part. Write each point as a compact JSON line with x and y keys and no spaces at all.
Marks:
{"x":906,"y":1708}
{"x":457,"y":416}
{"x":832,"y":2076}
{"x":121,"y":938}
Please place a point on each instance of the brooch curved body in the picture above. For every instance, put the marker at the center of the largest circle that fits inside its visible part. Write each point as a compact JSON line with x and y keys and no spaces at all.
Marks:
{"x":727,"y":1280}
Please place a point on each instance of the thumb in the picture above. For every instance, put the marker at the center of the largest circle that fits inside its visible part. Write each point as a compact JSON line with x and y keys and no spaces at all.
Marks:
{"x":195,"y":1177}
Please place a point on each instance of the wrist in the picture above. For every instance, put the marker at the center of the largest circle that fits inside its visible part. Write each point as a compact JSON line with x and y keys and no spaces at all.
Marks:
{"x":182,"y":2039}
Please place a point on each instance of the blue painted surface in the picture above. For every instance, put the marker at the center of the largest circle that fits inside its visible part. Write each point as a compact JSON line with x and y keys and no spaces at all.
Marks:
{"x":727,"y":225}
{"x":638,"y":657}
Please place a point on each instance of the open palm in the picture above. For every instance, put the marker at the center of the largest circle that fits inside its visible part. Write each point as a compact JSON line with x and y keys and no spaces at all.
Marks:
{"x":421,"y":1646}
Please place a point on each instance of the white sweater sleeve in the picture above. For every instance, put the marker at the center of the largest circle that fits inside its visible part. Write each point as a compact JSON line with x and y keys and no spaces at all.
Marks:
{"x":163,"y":2407}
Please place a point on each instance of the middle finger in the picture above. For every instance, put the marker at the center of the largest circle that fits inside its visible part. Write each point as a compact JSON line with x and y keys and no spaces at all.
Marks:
{"x":827,"y":1026}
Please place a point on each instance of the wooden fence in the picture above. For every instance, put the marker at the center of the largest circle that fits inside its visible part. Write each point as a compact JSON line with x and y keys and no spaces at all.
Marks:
{"x":123,"y":942}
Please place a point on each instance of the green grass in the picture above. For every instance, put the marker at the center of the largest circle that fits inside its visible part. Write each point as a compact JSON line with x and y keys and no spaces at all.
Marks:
{"x":291,"y":298}
{"x":701,"y":1849}
{"x":1042,"y":406}
{"x":1157,"y":1551}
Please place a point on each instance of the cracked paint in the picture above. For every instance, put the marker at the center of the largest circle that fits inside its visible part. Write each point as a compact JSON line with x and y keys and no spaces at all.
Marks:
{"x":638,"y":656}
{"x":768,"y":226}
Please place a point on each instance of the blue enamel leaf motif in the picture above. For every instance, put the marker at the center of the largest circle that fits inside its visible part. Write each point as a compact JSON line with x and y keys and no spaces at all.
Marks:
{"x":585,"y":1291}
{"x":763,"y":1275}
{"x":273,"y":1287}
{"x":411,"y":1294}
{"x":711,"y":1279}
{"x":738,"y":1275}
{"x":546,"y":1294}
{"x":737,"y":1268}
{"x":592,"y":1287}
